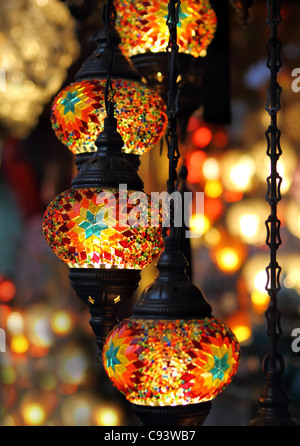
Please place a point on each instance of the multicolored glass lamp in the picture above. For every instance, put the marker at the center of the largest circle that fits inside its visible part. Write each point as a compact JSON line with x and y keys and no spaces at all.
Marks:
{"x":87,"y":228}
{"x":142,"y":26}
{"x":171,"y":357}
{"x":144,"y":38}
{"x":78,"y":110}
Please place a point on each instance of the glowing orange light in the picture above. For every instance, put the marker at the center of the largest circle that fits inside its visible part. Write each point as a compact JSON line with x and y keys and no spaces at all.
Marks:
{"x":220,"y":139}
{"x":61,"y":323}
{"x":202,"y":137}
{"x":194,"y":166}
{"x":37,"y":351}
{"x":199,"y":224}
{"x":213,"y":188}
{"x":193,"y":124}
{"x":68,"y":389}
{"x":19,"y":344}
{"x":34,"y":414}
{"x":4,"y":313}
{"x":260,"y":301}
{"x":232,"y":196}
{"x":213,"y":208}
{"x":240,"y":324}
{"x":7,"y":291}
{"x":228,"y":259}
{"x":107,"y":416}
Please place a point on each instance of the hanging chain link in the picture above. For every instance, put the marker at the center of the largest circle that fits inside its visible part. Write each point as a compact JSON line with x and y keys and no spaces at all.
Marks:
{"x":273,"y":195}
{"x":109,"y":17}
{"x":172,"y":103}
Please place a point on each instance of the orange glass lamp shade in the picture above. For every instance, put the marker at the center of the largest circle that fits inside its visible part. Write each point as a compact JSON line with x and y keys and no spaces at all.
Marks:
{"x":78,"y":114}
{"x":85,"y":232}
{"x":142,"y":26}
{"x":105,"y":255}
{"x":171,"y":362}
{"x":172,"y":356}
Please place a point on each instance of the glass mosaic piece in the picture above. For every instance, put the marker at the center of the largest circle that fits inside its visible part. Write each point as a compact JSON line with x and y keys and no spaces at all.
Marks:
{"x":88,"y":228}
{"x":142,"y":26}
{"x":171,"y":362}
{"x":78,"y":114}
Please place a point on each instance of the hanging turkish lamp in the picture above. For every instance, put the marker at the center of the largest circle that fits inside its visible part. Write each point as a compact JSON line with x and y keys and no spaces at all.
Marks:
{"x":78,"y":110}
{"x":144,"y":38}
{"x":90,"y":228}
{"x":142,"y":27}
{"x":172,"y":356}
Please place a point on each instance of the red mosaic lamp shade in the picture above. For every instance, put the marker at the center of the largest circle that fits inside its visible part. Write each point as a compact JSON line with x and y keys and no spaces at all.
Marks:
{"x":172,"y":356}
{"x":142,"y":26}
{"x":171,"y":362}
{"x":85,"y":228}
{"x":78,"y":114}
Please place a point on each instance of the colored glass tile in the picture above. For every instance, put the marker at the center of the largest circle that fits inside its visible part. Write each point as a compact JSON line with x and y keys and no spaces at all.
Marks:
{"x":171,"y":362}
{"x":142,"y":26}
{"x":93,"y":233}
{"x":78,"y":114}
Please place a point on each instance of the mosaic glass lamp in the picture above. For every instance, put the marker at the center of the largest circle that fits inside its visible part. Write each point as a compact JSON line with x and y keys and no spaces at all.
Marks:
{"x":142,"y":26}
{"x":87,"y":228}
{"x":171,"y":357}
{"x":78,"y":110}
{"x":143,"y":29}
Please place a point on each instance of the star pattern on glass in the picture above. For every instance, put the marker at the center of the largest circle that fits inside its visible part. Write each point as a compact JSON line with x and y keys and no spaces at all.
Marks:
{"x":220,"y":366}
{"x":69,"y":102}
{"x":94,"y":224}
{"x":148,"y":371}
{"x":111,"y":357}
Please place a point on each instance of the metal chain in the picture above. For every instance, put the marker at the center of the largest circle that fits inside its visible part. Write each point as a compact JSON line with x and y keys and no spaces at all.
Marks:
{"x":172,"y":103}
{"x":273,"y":196}
{"x":109,"y":17}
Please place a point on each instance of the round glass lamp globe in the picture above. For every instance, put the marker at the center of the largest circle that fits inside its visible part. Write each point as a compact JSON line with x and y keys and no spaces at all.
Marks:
{"x":78,"y":114}
{"x":87,"y":228}
{"x":142,"y":26}
{"x":171,"y":362}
